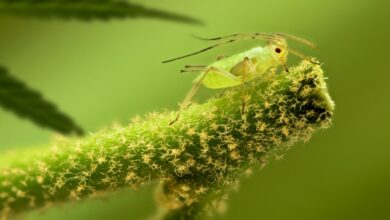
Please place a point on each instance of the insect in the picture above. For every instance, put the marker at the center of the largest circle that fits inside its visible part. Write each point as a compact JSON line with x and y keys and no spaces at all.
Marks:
{"x":237,"y":70}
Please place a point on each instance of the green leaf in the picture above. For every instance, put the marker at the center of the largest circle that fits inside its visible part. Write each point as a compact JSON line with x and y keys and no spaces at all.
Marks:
{"x":15,"y":96}
{"x":86,"y":10}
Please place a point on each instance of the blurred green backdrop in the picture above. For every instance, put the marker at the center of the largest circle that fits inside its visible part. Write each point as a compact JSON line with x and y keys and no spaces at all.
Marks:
{"x":105,"y":72}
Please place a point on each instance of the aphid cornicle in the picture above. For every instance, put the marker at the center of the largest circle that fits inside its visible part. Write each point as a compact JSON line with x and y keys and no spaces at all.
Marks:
{"x":238,"y":69}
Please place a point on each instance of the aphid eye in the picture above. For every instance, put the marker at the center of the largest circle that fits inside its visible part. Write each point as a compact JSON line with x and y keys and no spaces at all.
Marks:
{"x":278,"y":50}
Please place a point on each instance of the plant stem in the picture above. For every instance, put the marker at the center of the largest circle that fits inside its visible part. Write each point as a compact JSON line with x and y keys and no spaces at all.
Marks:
{"x":196,"y":159}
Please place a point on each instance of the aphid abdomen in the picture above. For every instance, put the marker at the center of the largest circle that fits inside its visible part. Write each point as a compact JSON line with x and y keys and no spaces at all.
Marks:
{"x":215,"y":80}
{"x":260,"y":58}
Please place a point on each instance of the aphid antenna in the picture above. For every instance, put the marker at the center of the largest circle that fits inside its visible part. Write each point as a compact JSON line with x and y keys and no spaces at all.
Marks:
{"x":250,"y":36}
{"x":276,"y":36}
{"x":257,"y":37}
{"x":297,"y":39}
{"x":301,"y":55}
{"x":195,"y":66}
{"x":240,"y":35}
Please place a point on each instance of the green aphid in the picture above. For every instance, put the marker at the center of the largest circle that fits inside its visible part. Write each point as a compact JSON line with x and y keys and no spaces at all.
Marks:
{"x":237,"y":70}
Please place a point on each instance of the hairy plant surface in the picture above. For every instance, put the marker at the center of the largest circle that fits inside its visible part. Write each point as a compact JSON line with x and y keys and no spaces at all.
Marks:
{"x":196,"y":160}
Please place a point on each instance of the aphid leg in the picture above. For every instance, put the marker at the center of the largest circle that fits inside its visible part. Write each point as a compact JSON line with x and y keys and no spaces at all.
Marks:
{"x":193,"y":68}
{"x":220,"y":57}
{"x":190,"y":94}
{"x":286,"y":68}
{"x":196,"y":86}
{"x":248,"y":67}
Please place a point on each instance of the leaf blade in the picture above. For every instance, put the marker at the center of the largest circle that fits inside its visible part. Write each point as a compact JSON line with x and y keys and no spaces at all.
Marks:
{"x":15,"y":96}
{"x":86,"y":10}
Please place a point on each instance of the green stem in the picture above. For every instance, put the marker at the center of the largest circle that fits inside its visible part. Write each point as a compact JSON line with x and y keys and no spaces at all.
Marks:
{"x":196,"y":160}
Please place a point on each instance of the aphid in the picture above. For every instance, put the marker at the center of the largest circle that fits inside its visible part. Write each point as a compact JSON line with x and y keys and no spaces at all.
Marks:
{"x":238,"y":69}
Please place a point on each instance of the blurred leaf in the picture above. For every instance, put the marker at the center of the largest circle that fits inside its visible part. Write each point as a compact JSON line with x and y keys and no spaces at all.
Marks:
{"x":85,"y":10}
{"x":25,"y":102}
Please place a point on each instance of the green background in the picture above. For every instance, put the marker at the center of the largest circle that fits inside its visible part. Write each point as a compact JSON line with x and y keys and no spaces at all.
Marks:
{"x":105,"y":72}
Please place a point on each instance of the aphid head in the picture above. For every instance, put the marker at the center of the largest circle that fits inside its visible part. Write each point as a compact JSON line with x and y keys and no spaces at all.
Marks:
{"x":279,"y":50}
